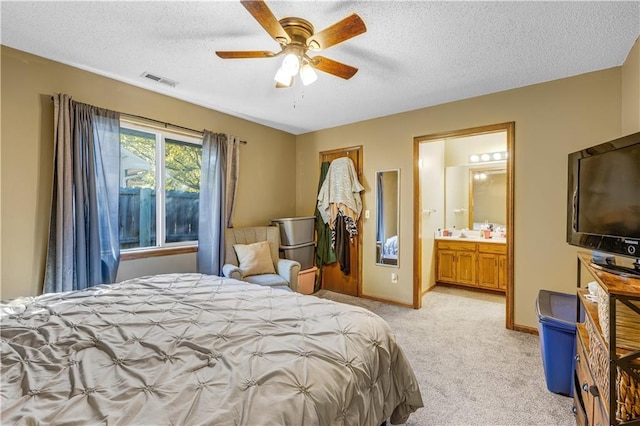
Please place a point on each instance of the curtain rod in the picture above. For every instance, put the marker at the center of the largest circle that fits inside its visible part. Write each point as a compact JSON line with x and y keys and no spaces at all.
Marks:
{"x":168,"y":124}
{"x":164,"y":123}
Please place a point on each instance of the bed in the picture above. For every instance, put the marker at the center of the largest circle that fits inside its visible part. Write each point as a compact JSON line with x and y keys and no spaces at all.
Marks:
{"x":186,"y":349}
{"x":390,"y":251}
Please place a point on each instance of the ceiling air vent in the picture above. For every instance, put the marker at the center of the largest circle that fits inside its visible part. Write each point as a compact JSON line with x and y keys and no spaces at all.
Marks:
{"x":159,"y":79}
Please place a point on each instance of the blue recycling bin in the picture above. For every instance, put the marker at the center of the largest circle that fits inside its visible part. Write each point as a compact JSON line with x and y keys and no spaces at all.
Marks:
{"x":557,"y":330}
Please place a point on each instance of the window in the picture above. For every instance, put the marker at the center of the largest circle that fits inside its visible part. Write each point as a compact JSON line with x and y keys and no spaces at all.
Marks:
{"x":159,"y":187}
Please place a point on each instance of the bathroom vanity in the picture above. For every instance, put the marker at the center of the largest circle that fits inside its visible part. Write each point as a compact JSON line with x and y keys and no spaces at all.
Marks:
{"x":472,"y":262}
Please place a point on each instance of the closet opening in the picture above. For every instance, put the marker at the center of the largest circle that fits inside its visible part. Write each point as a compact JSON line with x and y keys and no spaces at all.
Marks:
{"x":332,"y":276}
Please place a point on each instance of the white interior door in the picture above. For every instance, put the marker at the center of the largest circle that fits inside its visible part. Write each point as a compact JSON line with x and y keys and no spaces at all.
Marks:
{"x":432,"y":182}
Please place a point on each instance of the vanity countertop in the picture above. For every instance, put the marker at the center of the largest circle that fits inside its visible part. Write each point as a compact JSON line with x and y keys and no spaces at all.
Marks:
{"x":473,"y":239}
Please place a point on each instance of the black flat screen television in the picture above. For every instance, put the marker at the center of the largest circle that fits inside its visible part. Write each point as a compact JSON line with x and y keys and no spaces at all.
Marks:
{"x":603,"y":202}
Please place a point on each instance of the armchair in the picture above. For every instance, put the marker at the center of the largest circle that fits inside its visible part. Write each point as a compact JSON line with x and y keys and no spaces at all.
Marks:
{"x":286,"y":270}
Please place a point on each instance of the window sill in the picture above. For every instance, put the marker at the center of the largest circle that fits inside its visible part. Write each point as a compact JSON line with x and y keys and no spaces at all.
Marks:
{"x":157,"y":252}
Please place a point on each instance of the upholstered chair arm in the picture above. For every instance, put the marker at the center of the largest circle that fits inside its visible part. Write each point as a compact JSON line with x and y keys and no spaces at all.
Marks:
{"x":232,"y":271}
{"x":288,"y":269}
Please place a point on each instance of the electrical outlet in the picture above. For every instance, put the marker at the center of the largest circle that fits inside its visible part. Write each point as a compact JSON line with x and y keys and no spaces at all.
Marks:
{"x":394,"y":278}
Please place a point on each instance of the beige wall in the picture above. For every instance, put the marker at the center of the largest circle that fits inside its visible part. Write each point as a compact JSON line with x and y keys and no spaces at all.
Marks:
{"x":267,"y":170}
{"x":631,"y":91}
{"x":552,"y":120}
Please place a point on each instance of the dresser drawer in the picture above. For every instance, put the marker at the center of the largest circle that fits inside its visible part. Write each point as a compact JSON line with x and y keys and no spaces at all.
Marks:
{"x":584,"y":387}
{"x":578,"y":404}
{"x":581,"y":360}
{"x":493,"y":248}
{"x":456,"y":245}
{"x":600,"y":417}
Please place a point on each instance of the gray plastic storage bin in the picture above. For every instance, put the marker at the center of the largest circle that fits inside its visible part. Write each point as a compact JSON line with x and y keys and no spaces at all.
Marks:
{"x":303,"y":253}
{"x":295,"y":230}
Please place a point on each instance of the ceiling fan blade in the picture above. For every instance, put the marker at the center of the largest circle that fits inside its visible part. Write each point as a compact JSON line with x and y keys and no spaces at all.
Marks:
{"x":245,"y":54}
{"x":333,"y":67}
{"x":349,"y":27}
{"x":261,"y":12}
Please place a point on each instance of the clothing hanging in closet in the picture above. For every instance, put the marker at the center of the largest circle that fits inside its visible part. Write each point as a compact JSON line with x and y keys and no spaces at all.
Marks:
{"x":325,"y":254}
{"x":339,"y":196}
{"x":341,"y":241}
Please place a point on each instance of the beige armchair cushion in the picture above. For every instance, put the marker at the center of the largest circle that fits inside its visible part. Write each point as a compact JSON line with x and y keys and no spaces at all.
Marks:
{"x":254,"y":259}
{"x":250,"y":235}
{"x":286,"y":270}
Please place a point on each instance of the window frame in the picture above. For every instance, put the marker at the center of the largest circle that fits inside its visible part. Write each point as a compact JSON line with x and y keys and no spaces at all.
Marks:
{"x":162,"y":133}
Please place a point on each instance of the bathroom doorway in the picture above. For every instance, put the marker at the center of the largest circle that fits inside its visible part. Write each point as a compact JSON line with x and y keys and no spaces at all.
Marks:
{"x":445,"y":166}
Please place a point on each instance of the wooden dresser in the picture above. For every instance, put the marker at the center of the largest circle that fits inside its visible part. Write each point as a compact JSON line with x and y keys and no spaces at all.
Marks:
{"x":607,"y":362}
{"x":472,"y":264}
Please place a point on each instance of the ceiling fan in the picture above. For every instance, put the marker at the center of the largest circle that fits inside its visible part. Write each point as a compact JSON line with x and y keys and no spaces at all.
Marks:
{"x":296,"y":38}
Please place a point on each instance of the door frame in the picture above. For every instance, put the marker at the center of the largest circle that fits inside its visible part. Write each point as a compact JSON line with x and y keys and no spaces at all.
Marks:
{"x":509,"y":128}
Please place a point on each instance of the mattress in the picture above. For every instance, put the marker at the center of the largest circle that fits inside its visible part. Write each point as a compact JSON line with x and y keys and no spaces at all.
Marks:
{"x":187,"y":349}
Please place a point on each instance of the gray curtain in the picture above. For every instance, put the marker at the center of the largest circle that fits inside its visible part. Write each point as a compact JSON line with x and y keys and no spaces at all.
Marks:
{"x":218,"y":182}
{"x":84,"y":247}
{"x":233,"y":164}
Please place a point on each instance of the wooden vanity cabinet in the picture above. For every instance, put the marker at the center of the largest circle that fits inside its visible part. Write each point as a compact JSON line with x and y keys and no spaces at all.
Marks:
{"x":456,"y":262}
{"x":472,"y":264}
{"x":492,"y":266}
{"x":446,"y":268}
{"x":466,"y":268}
{"x":487,"y":270}
{"x":502,"y":271}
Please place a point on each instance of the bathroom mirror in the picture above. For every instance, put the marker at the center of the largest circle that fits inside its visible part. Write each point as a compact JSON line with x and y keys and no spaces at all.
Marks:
{"x":487,"y":197}
{"x":463,"y":156}
{"x":387,"y":217}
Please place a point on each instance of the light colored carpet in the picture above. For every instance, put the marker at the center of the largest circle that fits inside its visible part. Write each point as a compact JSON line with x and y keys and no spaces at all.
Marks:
{"x":471,"y":370}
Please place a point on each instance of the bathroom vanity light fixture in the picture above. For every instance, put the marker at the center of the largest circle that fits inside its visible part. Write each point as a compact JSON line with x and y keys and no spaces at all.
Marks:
{"x":488,"y":156}
{"x":479,"y":176}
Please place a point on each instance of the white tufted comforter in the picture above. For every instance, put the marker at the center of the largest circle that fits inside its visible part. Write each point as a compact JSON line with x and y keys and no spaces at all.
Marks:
{"x":191,"y":349}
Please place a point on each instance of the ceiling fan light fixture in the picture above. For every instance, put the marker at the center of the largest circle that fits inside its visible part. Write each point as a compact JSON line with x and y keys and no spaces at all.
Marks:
{"x":296,"y":36}
{"x":283,"y":77}
{"x":307,"y":74}
{"x":291,"y":64}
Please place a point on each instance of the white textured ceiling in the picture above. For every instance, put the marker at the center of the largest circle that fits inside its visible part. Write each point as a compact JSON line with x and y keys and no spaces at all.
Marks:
{"x":414,"y":54}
